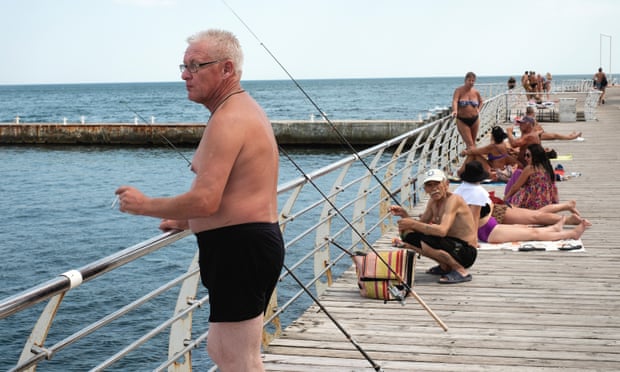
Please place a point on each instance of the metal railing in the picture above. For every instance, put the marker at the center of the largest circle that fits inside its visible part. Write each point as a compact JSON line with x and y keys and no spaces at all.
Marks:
{"x":319,"y":236}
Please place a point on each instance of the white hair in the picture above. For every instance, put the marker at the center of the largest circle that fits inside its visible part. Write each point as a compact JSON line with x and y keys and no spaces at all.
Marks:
{"x":222,"y":45}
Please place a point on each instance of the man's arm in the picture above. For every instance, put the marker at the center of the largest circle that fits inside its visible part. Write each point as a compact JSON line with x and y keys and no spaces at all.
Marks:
{"x":511,"y":139}
{"x":441,"y":229}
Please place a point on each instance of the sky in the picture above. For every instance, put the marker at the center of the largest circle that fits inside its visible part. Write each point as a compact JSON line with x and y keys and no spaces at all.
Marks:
{"x":77,"y":41}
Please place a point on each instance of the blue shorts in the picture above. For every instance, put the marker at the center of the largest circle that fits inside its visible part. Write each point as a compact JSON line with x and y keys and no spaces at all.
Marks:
{"x":240,"y":265}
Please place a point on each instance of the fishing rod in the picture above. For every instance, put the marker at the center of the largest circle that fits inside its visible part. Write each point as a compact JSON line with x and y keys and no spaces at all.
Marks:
{"x":342,"y":138}
{"x":375,"y":366}
{"x":393,"y":291}
{"x":398,"y":276}
{"x":168,"y":142}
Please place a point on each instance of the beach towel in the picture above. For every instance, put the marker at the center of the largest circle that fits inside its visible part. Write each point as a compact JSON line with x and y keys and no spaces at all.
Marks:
{"x":563,"y":157}
{"x":567,"y":245}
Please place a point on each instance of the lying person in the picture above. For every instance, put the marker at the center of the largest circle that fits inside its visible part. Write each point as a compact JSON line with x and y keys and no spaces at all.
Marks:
{"x":489,"y":230}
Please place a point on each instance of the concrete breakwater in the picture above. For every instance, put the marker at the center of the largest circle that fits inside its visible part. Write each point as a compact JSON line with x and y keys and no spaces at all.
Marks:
{"x":288,"y":132}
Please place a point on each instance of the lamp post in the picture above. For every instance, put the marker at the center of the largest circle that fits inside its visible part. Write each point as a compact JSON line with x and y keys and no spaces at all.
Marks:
{"x":601,"y":53}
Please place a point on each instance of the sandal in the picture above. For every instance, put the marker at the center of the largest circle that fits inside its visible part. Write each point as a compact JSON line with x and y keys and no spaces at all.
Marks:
{"x":570,"y":247}
{"x":454,"y":277}
{"x":436,"y":270}
{"x":530,"y":247}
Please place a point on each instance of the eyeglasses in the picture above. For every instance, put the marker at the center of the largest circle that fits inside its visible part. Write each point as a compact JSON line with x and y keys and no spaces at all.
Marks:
{"x":194,"y":67}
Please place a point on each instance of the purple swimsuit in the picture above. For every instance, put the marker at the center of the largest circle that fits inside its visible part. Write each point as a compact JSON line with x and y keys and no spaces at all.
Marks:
{"x":485,"y":231}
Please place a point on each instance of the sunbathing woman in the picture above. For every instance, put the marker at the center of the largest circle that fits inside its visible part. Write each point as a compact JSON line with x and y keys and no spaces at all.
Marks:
{"x":547,"y":215}
{"x":535,"y":187}
{"x":489,"y":230}
{"x":466,"y":105}
{"x":499,"y":161}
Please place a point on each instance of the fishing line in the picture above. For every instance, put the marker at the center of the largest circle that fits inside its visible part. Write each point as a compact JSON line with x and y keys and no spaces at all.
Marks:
{"x":172,"y":146}
{"x":408,"y":289}
{"x":344,"y":140}
{"x":336,"y":323}
{"x":339,"y":135}
{"x":316,"y":106}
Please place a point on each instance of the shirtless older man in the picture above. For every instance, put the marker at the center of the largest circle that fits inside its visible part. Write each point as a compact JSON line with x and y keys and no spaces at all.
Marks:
{"x":232,"y":204}
{"x":445,"y":232}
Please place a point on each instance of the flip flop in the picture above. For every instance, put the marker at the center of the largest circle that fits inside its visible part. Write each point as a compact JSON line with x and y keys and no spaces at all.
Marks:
{"x":454,"y":277}
{"x":570,"y":247}
{"x":530,"y":247}
{"x":436,"y":270}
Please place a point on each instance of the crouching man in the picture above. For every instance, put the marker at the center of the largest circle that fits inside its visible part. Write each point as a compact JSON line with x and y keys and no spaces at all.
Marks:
{"x":445,"y":232}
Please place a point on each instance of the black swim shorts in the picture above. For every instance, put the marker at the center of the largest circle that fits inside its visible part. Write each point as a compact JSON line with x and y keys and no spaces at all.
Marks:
{"x":240,"y":266}
{"x":460,"y":250}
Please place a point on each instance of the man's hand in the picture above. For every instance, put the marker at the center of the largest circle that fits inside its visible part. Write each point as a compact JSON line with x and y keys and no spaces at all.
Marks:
{"x":399,"y":211}
{"x":173,"y":225}
{"x":131,"y":200}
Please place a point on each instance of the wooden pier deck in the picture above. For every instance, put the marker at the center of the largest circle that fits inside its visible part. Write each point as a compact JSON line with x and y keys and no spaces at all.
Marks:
{"x":523,"y":311}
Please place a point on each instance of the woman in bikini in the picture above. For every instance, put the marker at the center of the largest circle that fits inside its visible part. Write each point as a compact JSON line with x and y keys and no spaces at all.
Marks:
{"x":466,"y":105}
{"x":491,"y":230}
{"x":497,"y":158}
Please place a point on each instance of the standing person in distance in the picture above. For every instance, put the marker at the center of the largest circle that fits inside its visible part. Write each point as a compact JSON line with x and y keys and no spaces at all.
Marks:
{"x":600,"y":82}
{"x":231,"y":205}
{"x":466,"y":105}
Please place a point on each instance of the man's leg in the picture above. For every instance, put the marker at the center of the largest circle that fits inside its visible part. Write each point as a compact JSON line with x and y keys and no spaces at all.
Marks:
{"x":443,"y":258}
{"x":235,"y":346}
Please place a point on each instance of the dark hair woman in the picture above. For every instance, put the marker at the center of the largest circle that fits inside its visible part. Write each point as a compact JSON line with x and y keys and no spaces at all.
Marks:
{"x":496,"y":157}
{"x":535,"y":187}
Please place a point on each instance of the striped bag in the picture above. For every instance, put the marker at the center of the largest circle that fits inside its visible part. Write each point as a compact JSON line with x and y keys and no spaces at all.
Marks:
{"x":374,"y":278}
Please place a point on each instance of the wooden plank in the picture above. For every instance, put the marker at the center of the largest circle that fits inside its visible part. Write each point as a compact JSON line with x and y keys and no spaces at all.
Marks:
{"x":534,"y":311}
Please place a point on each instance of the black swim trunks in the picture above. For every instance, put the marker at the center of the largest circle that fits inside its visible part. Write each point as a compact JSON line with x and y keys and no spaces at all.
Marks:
{"x":240,"y":266}
{"x":460,"y":250}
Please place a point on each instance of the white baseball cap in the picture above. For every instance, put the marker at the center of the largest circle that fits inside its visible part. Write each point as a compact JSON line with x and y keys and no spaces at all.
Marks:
{"x":434,"y":175}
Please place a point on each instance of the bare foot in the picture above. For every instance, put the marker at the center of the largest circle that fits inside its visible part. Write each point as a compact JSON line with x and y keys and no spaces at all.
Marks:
{"x":579,"y":229}
{"x":573,"y":219}
{"x":559,"y":226}
{"x":571,"y":206}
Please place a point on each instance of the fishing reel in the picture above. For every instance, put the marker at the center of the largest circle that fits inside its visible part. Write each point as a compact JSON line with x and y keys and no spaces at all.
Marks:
{"x":398,"y":292}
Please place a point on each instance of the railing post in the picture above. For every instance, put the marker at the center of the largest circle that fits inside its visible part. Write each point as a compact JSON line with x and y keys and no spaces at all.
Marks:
{"x":39,"y":332}
{"x":181,"y":330}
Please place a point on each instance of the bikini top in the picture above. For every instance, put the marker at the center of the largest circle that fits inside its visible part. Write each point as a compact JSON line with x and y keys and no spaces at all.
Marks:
{"x":492,"y":157}
{"x":473,"y":103}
